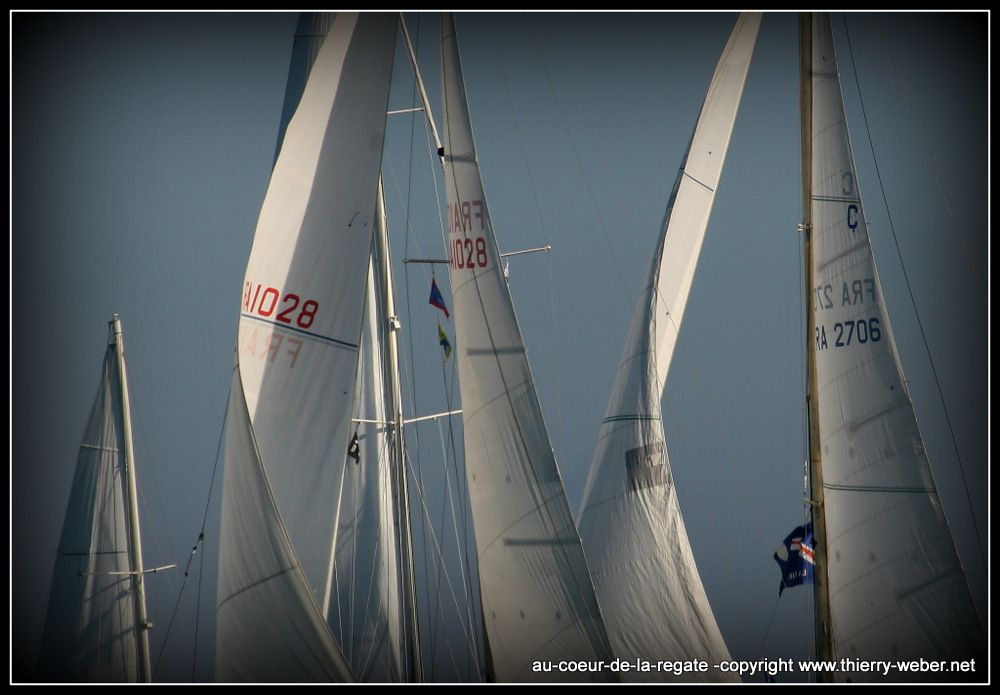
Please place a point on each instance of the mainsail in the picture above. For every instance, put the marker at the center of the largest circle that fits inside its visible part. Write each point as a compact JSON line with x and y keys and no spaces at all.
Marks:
{"x":896,"y":587}
{"x":651,"y":595}
{"x":95,"y":620}
{"x":294,"y":385}
{"x":537,"y":596}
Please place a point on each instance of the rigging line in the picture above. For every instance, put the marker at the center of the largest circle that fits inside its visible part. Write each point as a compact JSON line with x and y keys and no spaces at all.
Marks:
{"x":462,"y":482}
{"x":942,"y":182}
{"x":439,"y":567}
{"x":774,"y":610}
{"x":804,"y":337}
{"x":149,"y":470}
{"x":544,"y":506}
{"x":545,"y":235}
{"x":720,"y":431}
{"x":383,"y":460}
{"x":459,"y":478}
{"x":579,"y":162}
{"x":194,"y":660}
{"x":436,"y":547}
{"x":138,"y":421}
{"x":464,"y":569}
{"x":409,"y":310}
{"x":913,"y":302}
{"x":201,"y":534}
{"x":570,"y":81}
{"x":449,"y":395}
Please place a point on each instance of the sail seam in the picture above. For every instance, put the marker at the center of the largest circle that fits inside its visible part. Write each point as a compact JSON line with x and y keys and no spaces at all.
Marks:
{"x":624,"y":418}
{"x":823,"y":265}
{"x":109,"y":449}
{"x":341,"y":343}
{"x":835,"y":199}
{"x":251,"y":586}
{"x":703,"y":185}
{"x":878,"y":488}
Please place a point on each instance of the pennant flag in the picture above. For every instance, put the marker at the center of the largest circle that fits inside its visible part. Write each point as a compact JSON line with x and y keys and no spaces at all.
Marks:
{"x":796,"y":558}
{"x":436,"y":298}
{"x":443,"y":339}
{"x":354,"y":450}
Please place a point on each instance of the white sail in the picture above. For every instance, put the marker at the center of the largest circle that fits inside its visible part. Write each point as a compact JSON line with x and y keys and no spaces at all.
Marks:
{"x":310,"y":32}
{"x":300,"y":328}
{"x":268,"y":624}
{"x":651,"y":595}
{"x":537,"y":597}
{"x":897,"y":589}
{"x":365,"y":609}
{"x":90,"y":628}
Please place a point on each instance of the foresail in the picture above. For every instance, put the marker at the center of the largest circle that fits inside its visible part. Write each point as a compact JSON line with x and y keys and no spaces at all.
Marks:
{"x":897,"y":588}
{"x":268,"y":625}
{"x":302,"y":311}
{"x":303,"y":295}
{"x":538,"y":600}
{"x":90,"y":630}
{"x":651,"y":595}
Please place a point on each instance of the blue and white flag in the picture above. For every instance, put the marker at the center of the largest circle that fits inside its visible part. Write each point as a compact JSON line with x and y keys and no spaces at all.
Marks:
{"x":796,"y":558}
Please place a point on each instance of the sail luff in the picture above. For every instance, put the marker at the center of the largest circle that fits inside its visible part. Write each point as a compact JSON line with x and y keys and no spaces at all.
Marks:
{"x":821,"y":591}
{"x":135,"y":540}
{"x":650,"y":591}
{"x":897,"y":587}
{"x":538,"y":599}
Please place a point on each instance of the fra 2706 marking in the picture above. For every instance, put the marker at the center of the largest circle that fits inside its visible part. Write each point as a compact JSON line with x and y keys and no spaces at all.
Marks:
{"x":847,"y":333}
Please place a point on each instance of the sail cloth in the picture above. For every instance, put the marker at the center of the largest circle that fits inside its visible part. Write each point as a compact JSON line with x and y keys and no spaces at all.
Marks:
{"x":300,"y":328}
{"x":90,"y":627}
{"x":538,"y":600}
{"x":310,"y":32}
{"x":897,"y":589}
{"x":651,"y":595}
{"x":269,"y":627}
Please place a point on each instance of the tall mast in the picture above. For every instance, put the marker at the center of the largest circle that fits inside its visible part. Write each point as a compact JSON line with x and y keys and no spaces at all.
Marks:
{"x":142,"y":624}
{"x":397,"y":452}
{"x":821,"y":592}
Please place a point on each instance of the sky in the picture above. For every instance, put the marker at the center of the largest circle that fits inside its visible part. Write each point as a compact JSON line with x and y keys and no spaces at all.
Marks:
{"x":141,"y":147}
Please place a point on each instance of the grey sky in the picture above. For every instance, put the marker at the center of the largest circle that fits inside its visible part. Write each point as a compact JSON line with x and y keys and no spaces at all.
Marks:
{"x":141,"y":149}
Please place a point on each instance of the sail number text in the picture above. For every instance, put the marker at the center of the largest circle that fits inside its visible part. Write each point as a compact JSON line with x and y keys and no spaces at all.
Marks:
{"x":843,"y":334}
{"x":850,"y":293}
{"x":467,"y":251}
{"x":287,"y":308}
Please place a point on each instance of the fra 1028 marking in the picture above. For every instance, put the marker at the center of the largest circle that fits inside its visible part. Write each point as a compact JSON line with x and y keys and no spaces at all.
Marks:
{"x":273,"y":346}
{"x":467,"y":251}
{"x":287,"y":308}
